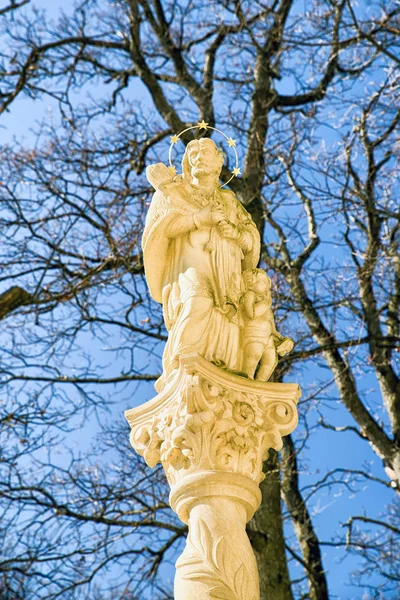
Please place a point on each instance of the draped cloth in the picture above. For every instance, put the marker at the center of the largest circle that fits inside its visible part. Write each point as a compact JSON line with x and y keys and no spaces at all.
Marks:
{"x":196,"y":275}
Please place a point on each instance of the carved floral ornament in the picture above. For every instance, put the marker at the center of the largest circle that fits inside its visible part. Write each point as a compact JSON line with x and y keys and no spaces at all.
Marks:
{"x":210,"y":424}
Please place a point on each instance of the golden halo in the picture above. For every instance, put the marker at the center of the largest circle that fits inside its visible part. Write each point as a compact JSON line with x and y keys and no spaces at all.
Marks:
{"x":203,"y":125}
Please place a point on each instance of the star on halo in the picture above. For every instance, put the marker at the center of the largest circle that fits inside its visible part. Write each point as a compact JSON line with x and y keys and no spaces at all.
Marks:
{"x":174,"y":138}
{"x":236,"y":171}
{"x":172,"y":170}
{"x":231,"y":142}
{"x":202,"y":124}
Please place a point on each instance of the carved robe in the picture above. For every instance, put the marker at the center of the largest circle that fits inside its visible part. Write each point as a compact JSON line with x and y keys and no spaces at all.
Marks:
{"x":196,"y":273}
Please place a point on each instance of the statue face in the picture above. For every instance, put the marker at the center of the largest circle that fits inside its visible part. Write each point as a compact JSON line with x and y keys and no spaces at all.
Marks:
{"x":261,"y":284}
{"x":204,"y":158}
{"x":260,"y":287}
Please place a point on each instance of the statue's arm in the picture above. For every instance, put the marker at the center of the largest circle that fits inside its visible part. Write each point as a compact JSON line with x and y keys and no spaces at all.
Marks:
{"x":181,"y":225}
{"x":283,"y":344}
{"x":250,"y":233}
{"x":248,"y":301}
{"x":237,"y":234}
{"x":251,"y":243}
{"x":246,"y":240}
{"x":205,"y":217}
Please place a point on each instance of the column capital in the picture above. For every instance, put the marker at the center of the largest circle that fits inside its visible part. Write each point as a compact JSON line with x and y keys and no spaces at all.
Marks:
{"x":210,"y":419}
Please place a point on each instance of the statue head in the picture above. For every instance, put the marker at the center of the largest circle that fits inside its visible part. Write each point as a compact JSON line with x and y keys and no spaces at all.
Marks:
{"x":256,"y":280}
{"x":202,"y":159}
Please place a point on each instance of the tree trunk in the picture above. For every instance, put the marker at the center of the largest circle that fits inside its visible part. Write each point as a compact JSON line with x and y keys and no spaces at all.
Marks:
{"x":265,"y":531}
{"x":308,"y":540}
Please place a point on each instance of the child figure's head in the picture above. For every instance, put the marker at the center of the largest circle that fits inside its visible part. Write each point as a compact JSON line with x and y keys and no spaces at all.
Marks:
{"x":256,"y":280}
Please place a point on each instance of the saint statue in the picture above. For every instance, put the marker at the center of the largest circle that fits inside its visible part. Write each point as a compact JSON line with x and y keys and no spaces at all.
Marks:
{"x":197,"y":242}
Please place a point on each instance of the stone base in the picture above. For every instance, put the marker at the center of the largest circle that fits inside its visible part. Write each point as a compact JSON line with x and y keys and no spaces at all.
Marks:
{"x":211,"y":430}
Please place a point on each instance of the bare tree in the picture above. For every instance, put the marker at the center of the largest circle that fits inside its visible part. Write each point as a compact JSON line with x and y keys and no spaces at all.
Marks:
{"x":311,"y":94}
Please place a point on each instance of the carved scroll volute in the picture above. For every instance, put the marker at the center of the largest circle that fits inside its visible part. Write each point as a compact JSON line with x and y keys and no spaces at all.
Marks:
{"x":211,"y":431}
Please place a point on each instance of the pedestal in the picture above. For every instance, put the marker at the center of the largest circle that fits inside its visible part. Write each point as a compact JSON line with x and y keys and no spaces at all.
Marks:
{"x":211,"y":430}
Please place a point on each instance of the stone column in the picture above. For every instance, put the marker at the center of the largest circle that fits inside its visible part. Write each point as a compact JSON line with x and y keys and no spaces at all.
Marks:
{"x":211,"y":430}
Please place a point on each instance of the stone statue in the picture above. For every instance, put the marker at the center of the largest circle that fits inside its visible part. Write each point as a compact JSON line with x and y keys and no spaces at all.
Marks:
{"x":211,"y":424}
{"x":197,"y":241}
{"x":260,"y":342}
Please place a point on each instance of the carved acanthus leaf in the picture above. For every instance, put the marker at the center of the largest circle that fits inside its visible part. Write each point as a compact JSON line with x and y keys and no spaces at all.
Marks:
{"x":214,"y":566}
{"x":210,"y":426}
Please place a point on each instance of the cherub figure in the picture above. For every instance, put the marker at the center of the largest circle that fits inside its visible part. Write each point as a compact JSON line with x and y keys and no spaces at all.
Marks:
{"x":260,"y":342}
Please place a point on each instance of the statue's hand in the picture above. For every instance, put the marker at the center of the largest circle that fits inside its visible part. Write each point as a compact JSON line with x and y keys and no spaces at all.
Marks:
{"x":209,"y":216}
{"x":285,"y":346}
{"x":229,"y":231}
